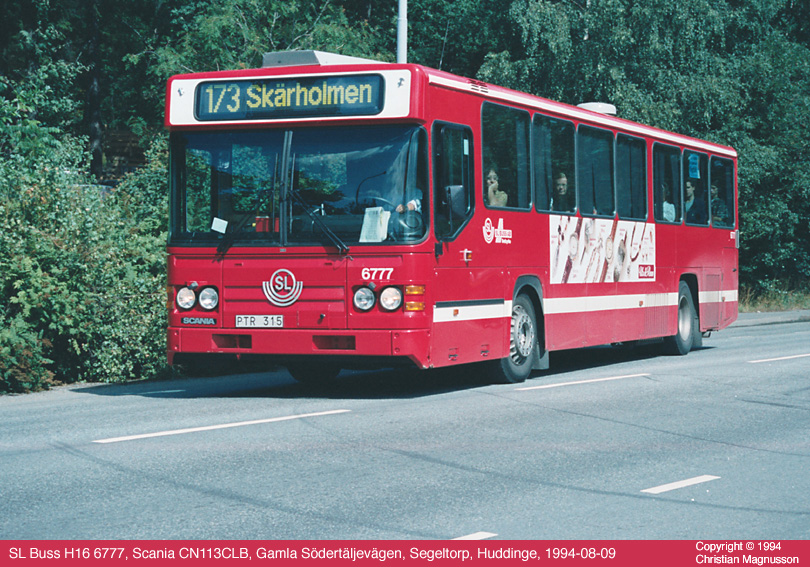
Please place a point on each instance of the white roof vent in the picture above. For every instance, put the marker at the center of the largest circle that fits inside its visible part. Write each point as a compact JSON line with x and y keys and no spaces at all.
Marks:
{"x":295,"y":58}
{"x":600,"y":107}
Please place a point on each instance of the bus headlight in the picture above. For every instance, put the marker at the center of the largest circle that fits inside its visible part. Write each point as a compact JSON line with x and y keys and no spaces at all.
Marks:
{"x":186,"y":298}
{"x":391,"y":298}
{"x":364,"y":299}
{"x":209,"y":298}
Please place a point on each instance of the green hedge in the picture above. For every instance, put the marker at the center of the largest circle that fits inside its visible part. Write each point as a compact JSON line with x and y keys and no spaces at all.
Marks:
{"x":82,"y":270}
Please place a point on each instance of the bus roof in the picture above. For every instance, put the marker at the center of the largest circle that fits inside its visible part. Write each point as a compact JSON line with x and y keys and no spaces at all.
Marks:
{"x":291,"y":63}
{"x":493,"y":92}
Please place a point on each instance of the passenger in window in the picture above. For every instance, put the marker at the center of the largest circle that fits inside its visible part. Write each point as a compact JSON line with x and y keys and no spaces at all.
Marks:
{"x":669,"y":206}
{"x":695,"y":207}
{"x":495,"y":197}
{"x":562,"y":199}
{"x":719,"y":208}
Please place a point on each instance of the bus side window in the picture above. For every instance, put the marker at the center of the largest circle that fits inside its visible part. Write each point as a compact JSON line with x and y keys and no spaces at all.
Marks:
{"x":695,"y":189}
{"x":554,"y":173}
{"x":667,"y":183}
{"x":595,"y":171}
{"x":631,"y":177}
{"x":505,"y":138}
{"x":721,"y":204}
{"x":452,"y":178}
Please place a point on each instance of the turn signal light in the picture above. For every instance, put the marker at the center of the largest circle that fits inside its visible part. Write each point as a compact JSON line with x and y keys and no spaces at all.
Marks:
{"x":417,"y":290}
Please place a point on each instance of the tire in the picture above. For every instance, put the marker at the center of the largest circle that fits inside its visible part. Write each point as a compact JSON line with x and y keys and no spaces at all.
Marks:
{"x":313,"y":372}
{"x":688,"y":324}
{"x":517,"y":367}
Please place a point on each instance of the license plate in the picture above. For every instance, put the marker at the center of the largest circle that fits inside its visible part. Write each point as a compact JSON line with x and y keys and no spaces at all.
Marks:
{"x":259,"y":321}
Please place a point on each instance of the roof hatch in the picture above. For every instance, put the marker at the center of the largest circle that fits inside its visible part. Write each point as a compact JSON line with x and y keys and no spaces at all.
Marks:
{"x":309,"y":57}
{"x":600,"y":107}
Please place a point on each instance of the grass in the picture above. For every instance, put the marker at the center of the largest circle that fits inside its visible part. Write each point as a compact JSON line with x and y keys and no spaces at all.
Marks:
{"x":773,"y":300}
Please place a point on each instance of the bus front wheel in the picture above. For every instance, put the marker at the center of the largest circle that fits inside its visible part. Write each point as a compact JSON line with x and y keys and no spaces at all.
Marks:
{"x":688,"y":323}
{"x":518,"y":365}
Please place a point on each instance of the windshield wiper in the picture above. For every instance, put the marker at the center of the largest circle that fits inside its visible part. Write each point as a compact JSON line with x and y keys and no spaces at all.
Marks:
{"x":287,"y":189}
{"x":341,"y":246}
{"x":230,"y":237}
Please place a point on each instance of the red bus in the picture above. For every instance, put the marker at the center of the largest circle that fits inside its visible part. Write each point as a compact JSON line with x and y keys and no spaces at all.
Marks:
{"x":330,"y":212}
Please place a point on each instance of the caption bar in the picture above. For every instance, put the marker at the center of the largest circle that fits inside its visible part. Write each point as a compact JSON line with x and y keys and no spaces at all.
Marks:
{"x":617,"y":553}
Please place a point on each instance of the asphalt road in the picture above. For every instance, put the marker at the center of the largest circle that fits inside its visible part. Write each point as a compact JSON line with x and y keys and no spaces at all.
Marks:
{"x":608,"y":444}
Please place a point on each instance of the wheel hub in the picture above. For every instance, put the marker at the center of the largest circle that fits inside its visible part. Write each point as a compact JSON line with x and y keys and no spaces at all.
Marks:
{"x":523,"y":335}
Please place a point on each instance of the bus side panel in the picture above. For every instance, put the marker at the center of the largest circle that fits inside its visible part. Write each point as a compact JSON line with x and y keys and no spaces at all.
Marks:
{"x":668,"y":273}
{"x":607,"y":314}
{"x":718,"y":293}
{"x":471,"y":318}
{"x":707,"y":258}
{"x":730,"y":285}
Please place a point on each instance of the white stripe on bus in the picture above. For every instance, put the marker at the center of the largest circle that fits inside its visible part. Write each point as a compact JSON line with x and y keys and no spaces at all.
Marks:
{"x":472,"y":312}
{"x":721,"y":296}
{"x":593,"y":303}
{"x":582,"y":304}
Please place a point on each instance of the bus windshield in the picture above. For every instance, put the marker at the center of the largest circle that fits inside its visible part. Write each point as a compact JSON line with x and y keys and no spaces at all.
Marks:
{"x":352,"y":185}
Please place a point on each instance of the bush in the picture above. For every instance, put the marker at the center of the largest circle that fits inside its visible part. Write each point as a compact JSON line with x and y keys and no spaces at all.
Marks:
{"x":82,"y":269}
{"x":23,"y":364}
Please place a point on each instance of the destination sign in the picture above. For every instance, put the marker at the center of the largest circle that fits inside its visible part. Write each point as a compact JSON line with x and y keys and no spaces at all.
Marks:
{"x":296,"y":97}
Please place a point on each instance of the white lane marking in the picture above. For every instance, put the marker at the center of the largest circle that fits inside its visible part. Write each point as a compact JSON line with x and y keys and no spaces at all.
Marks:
{"x":561,"y":384}
{"x":778,"y":359}
{"x":221,"y":426}
{"x":680,"y":484}
{"x":476,"y":535}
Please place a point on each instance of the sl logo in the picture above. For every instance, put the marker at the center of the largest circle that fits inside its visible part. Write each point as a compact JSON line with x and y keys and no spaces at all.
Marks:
{"x":282,"y":289}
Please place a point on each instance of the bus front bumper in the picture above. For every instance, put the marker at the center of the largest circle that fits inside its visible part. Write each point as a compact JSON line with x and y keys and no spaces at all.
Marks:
{"x":278,"y":343}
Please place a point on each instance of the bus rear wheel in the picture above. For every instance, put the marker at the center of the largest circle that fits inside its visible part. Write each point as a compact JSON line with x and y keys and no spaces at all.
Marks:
{"x":518,"y":365}
{"x":688,"y":323}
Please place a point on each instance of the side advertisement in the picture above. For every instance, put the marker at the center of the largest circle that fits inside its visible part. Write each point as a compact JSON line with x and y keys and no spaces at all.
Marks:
{"x":587,"y":250}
